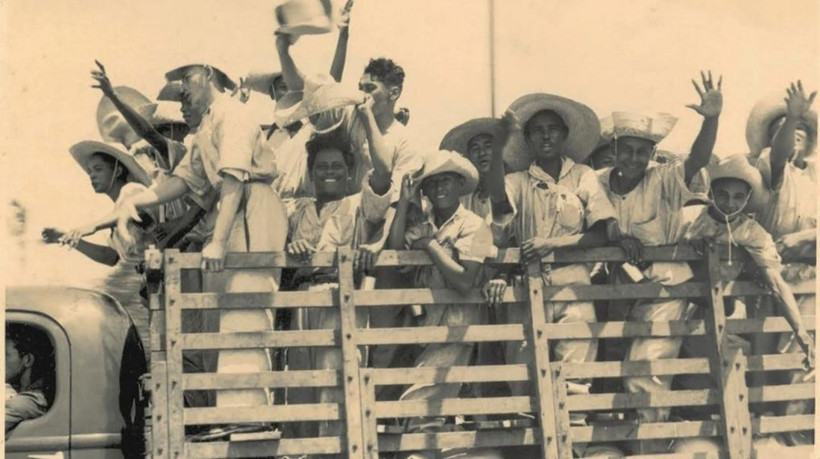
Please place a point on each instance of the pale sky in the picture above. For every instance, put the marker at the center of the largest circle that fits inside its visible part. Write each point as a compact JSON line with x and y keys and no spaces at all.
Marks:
{"x":609,"y":54}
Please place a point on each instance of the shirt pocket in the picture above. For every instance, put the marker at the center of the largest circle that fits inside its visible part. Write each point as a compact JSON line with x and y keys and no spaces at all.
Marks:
{"x":570,"y":212}
{"x":650,"y":232}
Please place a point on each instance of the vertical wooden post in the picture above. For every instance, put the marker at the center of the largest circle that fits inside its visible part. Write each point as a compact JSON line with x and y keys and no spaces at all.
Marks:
{"x":544,"y":387}
{"x":159,"y":409}
{"x":370,"y":434}
{"x":728,"y":366}
{"x":173,"y":346}
{"x":350,"y":356}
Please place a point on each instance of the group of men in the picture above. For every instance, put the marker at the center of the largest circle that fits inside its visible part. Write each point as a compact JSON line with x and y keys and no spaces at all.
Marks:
{"x":338,"y":168}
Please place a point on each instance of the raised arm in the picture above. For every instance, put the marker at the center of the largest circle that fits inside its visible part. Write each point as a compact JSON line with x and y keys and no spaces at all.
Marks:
{"x":797,"y":105}
{"x":788,"y":307}
{"x":395,"y":239}
{"x":381,"y":154}
{"x":294,"y":79}
{"x":140,"y":125}
{"x":337,"y":67}
{"x":710,"y":107}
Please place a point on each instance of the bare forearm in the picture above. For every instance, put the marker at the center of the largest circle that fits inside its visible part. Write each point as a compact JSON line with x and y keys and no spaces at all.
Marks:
{"x":701,"y":148}
{"x":785,"y":300}
{"x":142,"y":126}
{"x":395,"y":239}
{"x":294,"y":79}
{"x":98,"y":253}
{"x":230,"y":196}
{"x":782,"y":147}
{"x":595,"y":237}
{"x":337,"y":68}
{"x":380,"y":155}
{"x":454,"y":274}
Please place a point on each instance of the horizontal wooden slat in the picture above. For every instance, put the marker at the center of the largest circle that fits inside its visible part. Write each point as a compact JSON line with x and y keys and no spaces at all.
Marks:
{"x":254,"y":340}
{"x":257,"y":260}
{"x":324,"y":299}
{"x":453,"y":406}
{"x":768,"y":325}
{"x":482,"y":439}
{"x":631,"y":431}
{"x":432,"y":375}
{"x":271,"y":379}
{"x":241,"y":414}
{"x":775,"y":424}
{"x":419,"y":335}
{"x":660,"y":399}
{"x":285,"y":446}
{"x":635,"y":368}
{"x":425,"y":296}
{"x":774,"y":362}
{"x":745,"y":288}
{"x":781,"y":393}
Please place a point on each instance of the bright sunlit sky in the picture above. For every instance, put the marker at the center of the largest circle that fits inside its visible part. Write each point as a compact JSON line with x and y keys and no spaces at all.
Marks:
{"x":623,"y":54}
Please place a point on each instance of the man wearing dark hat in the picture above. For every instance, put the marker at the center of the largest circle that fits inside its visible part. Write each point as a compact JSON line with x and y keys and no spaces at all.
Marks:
{"x":29,"y":389}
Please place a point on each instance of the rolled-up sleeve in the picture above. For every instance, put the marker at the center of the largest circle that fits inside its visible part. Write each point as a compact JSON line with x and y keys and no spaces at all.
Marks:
{"x":23,"y":406}
{"x":235,"y":139}
{"x":192,"y":172}
{"x":373,"y":205}
{"x":597,"y":205}
{"x":475,"y":242}
{"x":760,"y":246}
{"x":415,"y":233}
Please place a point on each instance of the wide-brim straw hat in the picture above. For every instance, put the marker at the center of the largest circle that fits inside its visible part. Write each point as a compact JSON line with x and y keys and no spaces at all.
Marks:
{"x":607,"y":131}
{"x":304,"y":17}
{"x":458,"y":137}
{"x":321,"y":95}
{"x":649,"y":126}
{"x":766,"y":111}
{"x":439,"y":162}
{"x":222,"y":78}
{"x":167,"y":113}
{"x":109,"y":118}
{"x":260,"y":81}
{"x":83,"y":151}
{"x":738,"y":167}
{"x":171,"y":92}
{"x":584,"y":128}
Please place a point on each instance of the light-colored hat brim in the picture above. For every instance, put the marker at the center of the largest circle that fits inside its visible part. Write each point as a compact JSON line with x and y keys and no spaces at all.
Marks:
{"x":317,"y":26}
{"x":653,"y":127}
{"x":738,"y":167}
{"x":222,"y":78}
{"x":286,"y":106}
{"x":82,"y":152}
{"x":171,"y":92}
{"x":109,"y":118}
{"x":167,"y":113}
{"x":304,"y":17}
{"x":260,"y":82}
{"x":766,"y":111}
{"x":584,"y":128}
{"x":321,"y":99}
{"x":458,"y":137}
{"x":443,"y":161}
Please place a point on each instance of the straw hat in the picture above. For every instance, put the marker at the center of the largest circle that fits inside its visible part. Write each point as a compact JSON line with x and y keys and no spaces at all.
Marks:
{"x":260,"y":81}
{"x":439,"y":162}
{"x":109,"y":120}
{"x":583,"y":124}
{"x":321,"y":95}
{"x":167,"y":113}
{"x":653,"y":127}
{"x":222,"y":78}
{"x":83,"y":151}
{"x":304,"y":17}
{"x":171,"y":92}
{"x":459,"y":136}
{"x":766,"y":111}
{"x":607,"y":130}
{"x":738,"y":167}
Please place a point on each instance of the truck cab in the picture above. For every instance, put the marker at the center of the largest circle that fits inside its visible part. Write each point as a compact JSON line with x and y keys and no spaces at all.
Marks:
{"x":97,"y":411}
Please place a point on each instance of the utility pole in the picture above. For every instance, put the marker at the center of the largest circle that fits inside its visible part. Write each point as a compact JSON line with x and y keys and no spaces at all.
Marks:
{"x":492,"y":57}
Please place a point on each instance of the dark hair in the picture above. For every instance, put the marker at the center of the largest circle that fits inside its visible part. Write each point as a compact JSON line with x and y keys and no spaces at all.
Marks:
{"x":528,"y":124}
{"x":386,"y":71}
{"x":34,"y":341}
{"x":333,"y":141}
{"x":111,"y":161}
{"x":402,"y":115}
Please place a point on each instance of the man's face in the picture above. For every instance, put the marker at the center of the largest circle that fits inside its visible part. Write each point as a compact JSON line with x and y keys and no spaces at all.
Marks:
{"x":278,"y":89}
{"x":633,"y":155}
{"x":442,"y":189}
{"x":330,"y":173}
{"x":195,"y":94}
{"x":382,"y":95}
{"x":480,"y":152}
{"x":546,"y":134}
{"x":603,"y":157}
{"x":100,"y":172}
{"x":15,"y":363}
{"x":730,"y":195}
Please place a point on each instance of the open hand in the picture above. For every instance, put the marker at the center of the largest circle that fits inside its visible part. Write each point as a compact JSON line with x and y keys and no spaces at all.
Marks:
{"x":409,"y":187}
{"x":633,"y":249}
{"x":103,"y":83}
{"x":365,"y":258}
{"x":72,"y":237}
{"x":805,"y":342}
{"x":711,"y":99}
{"x":494,"y":291}
{"x":797,"y":104}
{"x":366,"y":106}
{"x":301,"y":249}
{"x":213,"y":257}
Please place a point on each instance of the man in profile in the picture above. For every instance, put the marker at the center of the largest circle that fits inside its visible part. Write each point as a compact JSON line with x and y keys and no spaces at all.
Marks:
{"x":28,"y":395}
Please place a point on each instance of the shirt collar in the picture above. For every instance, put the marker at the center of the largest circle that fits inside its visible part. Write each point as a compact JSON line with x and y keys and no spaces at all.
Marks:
{"x":431,"y":216}
{"x":566,"y":166}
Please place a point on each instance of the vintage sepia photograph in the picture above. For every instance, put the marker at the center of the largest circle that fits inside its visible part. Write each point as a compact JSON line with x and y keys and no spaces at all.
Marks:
{"x":427,"y":229}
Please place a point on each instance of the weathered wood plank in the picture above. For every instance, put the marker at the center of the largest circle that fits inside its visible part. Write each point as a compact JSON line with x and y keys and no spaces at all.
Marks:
{"x":260,"y":260}
{"x":661,"y":399}
{"x":285,"y":446}
{"x":453,"y":406}
{"x":350,"y":357}
{"x":560,"y":404}
{"x":255,"y":340}
{"x":781,"y":393}
{"x":370,"y":435}
{"x":326,"y":299}
{"x":173,"y":346}
{"x":776,"y":424}
{"x":419,"y":335}
{"x":589,"y":370}
{"x":483,"y":439}
{"x":648,"y":431}
{"x":270,"y":379}
{"x":438,"y":375}
{"x":159,"y":409}
{"x":278,"y":413}
{"x":774,"y":362}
